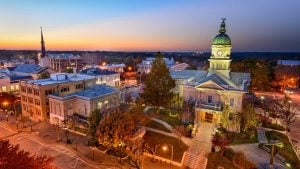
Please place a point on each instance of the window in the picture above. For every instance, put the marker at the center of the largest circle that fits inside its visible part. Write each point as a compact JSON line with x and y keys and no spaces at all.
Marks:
{"x":79,"y":86}
{"x":36,"y":92}
{"x":23,"y":89}
{"x":64,"y":89}
{"x":30,"y":100}
{"x":29,"y":90}
{"x":24,"y":98}
{"x":3,"y":88}
{"x":17,"y":87}
{"x":230,"y":116}
{"x":99,"y":105}
{"x":209,"y":99}
{"x":231,"y":102}
{"x":37,"y":102}
{"x":51,"y":91}
{"x":12,"y":88}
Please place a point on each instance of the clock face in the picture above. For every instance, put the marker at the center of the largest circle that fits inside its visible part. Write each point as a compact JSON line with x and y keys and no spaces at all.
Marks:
{"x":219,"y":52}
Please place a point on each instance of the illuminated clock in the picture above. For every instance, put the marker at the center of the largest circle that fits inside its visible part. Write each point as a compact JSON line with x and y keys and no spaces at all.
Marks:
{"x":219,"y":53}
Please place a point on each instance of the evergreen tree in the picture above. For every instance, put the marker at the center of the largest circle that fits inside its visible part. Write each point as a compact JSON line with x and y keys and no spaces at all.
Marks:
{"x":158,"y":84}
{"x":93,"y":120}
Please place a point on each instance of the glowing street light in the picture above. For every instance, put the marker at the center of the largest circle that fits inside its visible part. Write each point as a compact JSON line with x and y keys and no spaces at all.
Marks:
{"x":165,"y":148}
{"x":129,"y":68}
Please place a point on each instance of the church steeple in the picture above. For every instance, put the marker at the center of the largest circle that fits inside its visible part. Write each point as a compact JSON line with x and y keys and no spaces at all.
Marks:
{"x":43,"y":50}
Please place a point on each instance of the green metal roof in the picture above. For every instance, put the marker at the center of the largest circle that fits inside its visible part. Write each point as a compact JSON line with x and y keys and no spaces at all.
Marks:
{"x":222,"y":39}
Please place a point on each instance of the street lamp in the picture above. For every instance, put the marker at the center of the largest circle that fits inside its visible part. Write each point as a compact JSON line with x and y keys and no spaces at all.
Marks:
{"x":274,"y":143}
{"x":165,"y":148}
{"x":6,"y":115}
{"x":262,"y":98}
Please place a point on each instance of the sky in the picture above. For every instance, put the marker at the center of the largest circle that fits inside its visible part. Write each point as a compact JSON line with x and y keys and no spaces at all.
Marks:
{"x":150,"y":25}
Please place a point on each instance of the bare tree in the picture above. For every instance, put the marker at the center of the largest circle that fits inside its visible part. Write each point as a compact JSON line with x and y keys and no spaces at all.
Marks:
{"x":287,"y":110}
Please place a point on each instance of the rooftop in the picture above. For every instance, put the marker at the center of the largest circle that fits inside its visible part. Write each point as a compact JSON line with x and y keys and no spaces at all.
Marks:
{"x":57,"y":78}
{"x":92,"y":92}
{"x":27,"y":68}
{"x":97,"y":71}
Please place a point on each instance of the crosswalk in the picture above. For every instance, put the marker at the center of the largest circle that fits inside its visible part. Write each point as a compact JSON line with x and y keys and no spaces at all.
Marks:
{"x":75,"y":161}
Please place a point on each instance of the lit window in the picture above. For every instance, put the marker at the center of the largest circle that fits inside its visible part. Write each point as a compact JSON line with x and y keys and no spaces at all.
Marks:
{"x":99,"y":105}
{"x":3,"y":88}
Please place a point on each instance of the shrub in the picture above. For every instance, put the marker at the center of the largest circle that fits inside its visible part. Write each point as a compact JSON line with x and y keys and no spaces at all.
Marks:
{"x":116,"y":152}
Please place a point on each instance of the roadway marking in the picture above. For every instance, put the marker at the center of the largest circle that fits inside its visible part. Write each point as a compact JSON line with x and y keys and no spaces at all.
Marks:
{"x":75,"y":163}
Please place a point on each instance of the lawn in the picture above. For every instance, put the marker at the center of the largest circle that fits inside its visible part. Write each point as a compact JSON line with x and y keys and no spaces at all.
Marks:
{"x":287,"y":150}
{"x":154,"y":139}
{"x":165,"y":115}
{"x":158,"y":126}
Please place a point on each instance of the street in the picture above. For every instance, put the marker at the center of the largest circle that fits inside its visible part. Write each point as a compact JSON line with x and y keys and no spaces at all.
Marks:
{"x":42,"y":141}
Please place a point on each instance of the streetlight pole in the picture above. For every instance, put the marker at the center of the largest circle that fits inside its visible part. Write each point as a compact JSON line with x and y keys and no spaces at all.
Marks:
{"x":273,"y":144}
{"x":165,"y":148}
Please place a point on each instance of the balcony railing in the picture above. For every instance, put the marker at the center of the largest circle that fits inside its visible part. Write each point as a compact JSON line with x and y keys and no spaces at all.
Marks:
{"x":209,"y":106}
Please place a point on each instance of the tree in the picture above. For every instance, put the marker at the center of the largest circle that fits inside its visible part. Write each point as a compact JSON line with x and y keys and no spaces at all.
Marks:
{"x":93,"y":121}
{"x":221,"y":141}
{"x":225,"y":116}
{"x":158,"y":84}
{"x":248,"y":118}
{"x":287,"y":110}
{"x":114,"y":128}
{"x":12,"y":157}
{"x":117,"y":127}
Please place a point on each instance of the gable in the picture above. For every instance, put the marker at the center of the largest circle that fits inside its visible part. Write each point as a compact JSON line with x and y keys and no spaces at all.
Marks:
{"x":210,"y":85}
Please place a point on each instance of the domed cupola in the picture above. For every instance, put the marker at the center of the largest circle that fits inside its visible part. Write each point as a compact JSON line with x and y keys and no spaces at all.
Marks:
{"x":222,"y":38}
{"x":219,"y":61}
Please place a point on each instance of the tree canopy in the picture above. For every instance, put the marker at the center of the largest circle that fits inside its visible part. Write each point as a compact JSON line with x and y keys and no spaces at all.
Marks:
{"x":12,"y":157}
{"x":158,"y":84}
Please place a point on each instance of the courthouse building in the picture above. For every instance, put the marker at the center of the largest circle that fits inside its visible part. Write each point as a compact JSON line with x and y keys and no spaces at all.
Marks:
{"x":218,"y":86}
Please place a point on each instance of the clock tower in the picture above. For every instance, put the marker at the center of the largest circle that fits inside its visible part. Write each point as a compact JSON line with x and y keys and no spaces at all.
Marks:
{"x":219,"y":61}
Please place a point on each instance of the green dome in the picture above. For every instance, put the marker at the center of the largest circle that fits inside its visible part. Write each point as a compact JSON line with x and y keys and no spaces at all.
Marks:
{"x":222,"y":39}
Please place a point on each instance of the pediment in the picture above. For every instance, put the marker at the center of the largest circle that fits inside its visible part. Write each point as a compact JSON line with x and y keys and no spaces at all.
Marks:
{"x":210,"y":85}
